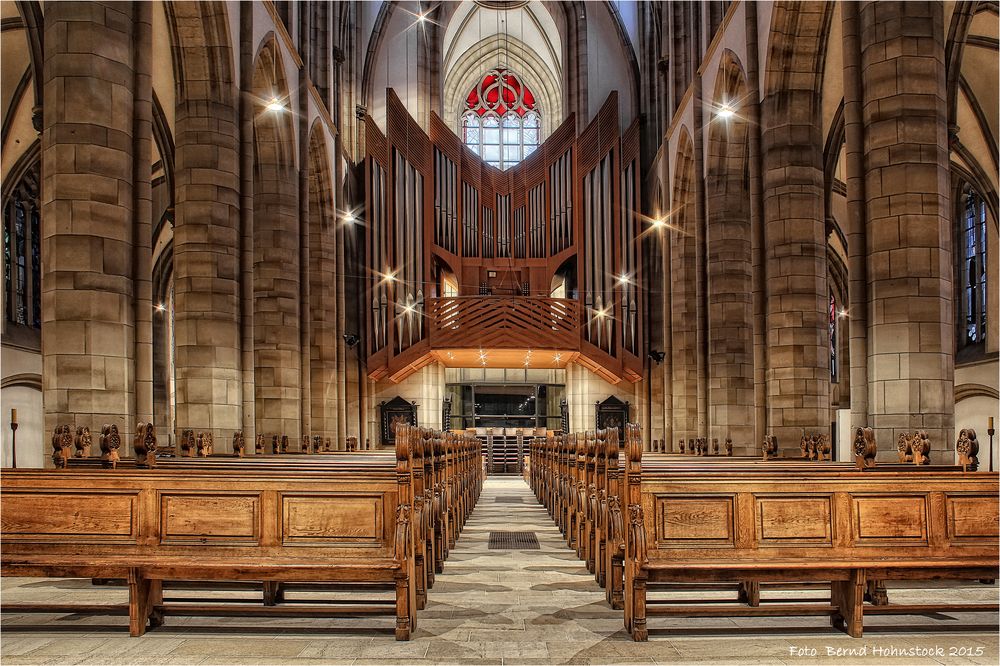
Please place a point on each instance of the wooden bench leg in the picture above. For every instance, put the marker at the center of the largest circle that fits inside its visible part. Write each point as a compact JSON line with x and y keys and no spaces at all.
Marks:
{"x":274,"y":594}
{"x":615,"y":587}
{"x":421,"y":576}
{"x":143,"y":596}
{"x":405,"y":617}
{"x":876,"y":593}
{"x":638,"y":605}
{"x":749,"y":592}
{"x":849,"y":597}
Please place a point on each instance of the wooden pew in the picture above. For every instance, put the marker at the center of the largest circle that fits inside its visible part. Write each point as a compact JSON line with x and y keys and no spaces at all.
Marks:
{"x":277,"y":521}
{"x":673,"y":504}
{"x":846,"y":526}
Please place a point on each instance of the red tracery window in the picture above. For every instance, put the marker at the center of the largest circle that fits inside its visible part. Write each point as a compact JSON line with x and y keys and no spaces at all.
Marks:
{"x":501,"y":122}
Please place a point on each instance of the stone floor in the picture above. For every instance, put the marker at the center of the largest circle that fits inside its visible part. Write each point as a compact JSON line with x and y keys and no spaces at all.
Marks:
{"x":494,"y":607}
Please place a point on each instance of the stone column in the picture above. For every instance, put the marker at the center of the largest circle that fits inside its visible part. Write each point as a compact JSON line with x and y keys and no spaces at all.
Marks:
{"x":246,"y":251}
{"x":857,"y":252}
{"x":797,"y":327}
{"x":730,"y":334}
{"x":143,"y":207}
{"x":88,"y":232}
{"x":206,"y":262}
{"x":911,"y":331}
{"x":757,"y":241}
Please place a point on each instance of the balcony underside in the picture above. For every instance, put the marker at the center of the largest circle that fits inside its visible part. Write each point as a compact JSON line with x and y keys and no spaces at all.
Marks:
{"x":501,"y":332}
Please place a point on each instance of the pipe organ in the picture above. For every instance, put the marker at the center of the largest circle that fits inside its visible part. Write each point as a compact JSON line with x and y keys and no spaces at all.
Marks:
{"x":542,"y":256}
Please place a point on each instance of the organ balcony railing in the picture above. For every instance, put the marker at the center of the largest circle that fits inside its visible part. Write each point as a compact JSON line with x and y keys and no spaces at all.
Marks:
{"x":503,"y":322}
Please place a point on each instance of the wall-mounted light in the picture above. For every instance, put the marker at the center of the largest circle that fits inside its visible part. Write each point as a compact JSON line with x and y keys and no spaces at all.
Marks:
{"x":657,"y":355}
{"x":725,"y":112}
{"x":275,"y":105}
{"x":160,"y":307}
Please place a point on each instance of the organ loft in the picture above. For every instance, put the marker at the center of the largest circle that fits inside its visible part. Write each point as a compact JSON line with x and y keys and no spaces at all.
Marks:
{"x":505,"y":329}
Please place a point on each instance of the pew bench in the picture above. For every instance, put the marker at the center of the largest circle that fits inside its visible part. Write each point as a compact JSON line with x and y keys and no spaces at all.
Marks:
{"x":147,"y":526}
{"x":843,"y":527}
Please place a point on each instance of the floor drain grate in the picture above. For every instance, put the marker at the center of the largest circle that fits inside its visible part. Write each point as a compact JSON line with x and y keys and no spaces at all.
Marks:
{"x":513,"y":541}
{"x":508,"y":499}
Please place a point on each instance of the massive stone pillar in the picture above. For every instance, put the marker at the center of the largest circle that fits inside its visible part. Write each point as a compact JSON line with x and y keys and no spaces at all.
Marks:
{"x":323,"y":274}
{"x":142,"y":262}
{"x":857,"y":241}
{"x":798,"y":373}
{"x":911,"y":331}
{"x":206,"y":247}
{"x":88,"y":221}
{"x":730,"y":316}
{"x":683,"y":297}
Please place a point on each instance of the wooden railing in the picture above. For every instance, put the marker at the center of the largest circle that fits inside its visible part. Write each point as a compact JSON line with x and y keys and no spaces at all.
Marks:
{"x":502,"y":322}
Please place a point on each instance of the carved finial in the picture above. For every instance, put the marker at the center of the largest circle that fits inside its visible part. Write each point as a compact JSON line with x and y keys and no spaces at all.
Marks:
{"x":804,"y":445}
{"x":903,"y":448}
{"x":633,"y":442}
{"x":920,"y":445}
{"x":284,"y":443}
{"x":187,"y":443}
{"x":729,"y":446}
{"x":239,"y":444}
{"x":110,"y":443}
{"x":275,"y":445}
{"x":968,"y":449}
{"x":144,"y":444}
{"x":62,"y":441}
{"x":204,"y":445}
{"x":82,"y":442}
{"x":822,"y":447}
{"x":403,"y":442}
{"x":258,"y":445}
{"x":865,"y":448}
{"x":770,"y":448}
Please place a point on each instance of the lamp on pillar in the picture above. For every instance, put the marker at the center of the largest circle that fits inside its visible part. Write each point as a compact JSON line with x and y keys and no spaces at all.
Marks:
{"x":13,"y":438}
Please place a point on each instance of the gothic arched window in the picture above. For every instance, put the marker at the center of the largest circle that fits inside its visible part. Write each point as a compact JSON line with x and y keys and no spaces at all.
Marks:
{"x":501,"y":123}
{"x":972,"y":271}
{"x":22,"y":272}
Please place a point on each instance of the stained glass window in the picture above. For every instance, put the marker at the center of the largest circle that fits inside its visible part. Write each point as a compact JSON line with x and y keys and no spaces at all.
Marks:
{"x":22,"y":254}
{"x":501,"y":122}
{"x":973,"y":269}
{"x":833,"y":338}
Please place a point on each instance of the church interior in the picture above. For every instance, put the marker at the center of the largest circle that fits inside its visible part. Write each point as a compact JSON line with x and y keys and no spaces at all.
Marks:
{"x":553,"y":331}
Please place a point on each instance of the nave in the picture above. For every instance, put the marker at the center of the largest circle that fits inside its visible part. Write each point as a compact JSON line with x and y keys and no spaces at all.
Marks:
{"x":489,"y":607}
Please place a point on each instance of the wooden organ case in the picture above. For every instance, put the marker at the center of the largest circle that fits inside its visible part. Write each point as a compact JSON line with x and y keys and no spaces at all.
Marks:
{"x":542,"y":256}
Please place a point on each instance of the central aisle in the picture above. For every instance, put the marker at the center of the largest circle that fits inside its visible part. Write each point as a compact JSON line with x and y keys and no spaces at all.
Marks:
{"x":521,"y":605}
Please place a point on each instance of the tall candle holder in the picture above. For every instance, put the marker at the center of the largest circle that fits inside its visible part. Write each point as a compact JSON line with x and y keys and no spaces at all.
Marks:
{"x":990,"y":431}
{"x":13,"y":438}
